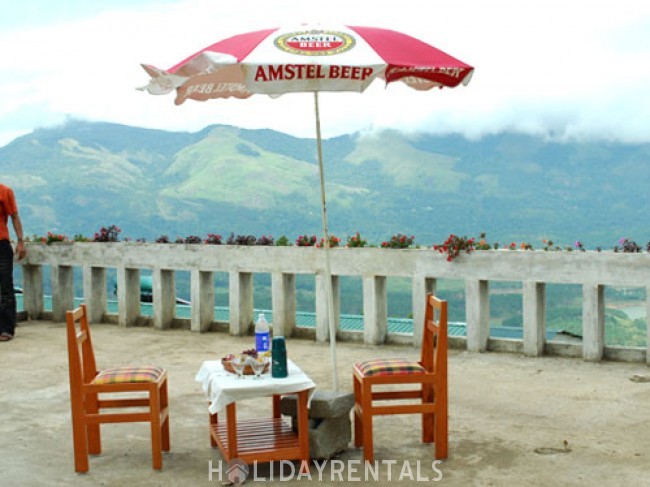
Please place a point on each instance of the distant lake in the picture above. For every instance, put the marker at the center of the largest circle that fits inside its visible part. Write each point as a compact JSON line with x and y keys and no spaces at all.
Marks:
{"x":634,"y":312}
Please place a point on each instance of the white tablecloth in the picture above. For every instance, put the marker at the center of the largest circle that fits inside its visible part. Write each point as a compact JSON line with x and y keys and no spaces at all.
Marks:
{"x":222,"y":388}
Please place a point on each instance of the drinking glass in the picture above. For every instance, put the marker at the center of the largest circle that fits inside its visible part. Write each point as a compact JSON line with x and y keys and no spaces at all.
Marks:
{"x":259,"y":365}
{"x":238,"y":365}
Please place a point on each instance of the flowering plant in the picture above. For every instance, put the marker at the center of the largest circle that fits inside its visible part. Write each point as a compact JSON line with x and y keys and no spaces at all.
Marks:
{"x":241,"y":239}
{"x":356,"y":241}
{"x":399,"y":241}
{"x":306,"y":241}
{"x":334,"y":241}
{"x":54,"y":237}
{"x":453,"y":246}
{"x":549,"y":245}
{"x":107,"y":234}
{"x":283,"y":241}
{"x":628,"y":245}
{"x":522,"y":246}
{"x":265,"y":240}
{"x":190,"y":239}
{"x":483,"y":243}
{"x":213,"y":239}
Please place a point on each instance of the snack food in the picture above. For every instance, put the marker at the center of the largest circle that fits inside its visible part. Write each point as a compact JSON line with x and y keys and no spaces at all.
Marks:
{"x":247,"y":356}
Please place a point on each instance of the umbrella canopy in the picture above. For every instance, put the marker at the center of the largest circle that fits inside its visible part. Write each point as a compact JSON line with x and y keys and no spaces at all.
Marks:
{"x":308,"y":58}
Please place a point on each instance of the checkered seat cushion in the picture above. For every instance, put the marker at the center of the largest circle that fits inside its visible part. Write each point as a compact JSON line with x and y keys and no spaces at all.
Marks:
{"x":389,"y":366}
{"x":121,"y":375}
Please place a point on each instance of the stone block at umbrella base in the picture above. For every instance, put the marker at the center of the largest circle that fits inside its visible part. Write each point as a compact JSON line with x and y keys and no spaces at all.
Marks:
{"x":330,"y":428}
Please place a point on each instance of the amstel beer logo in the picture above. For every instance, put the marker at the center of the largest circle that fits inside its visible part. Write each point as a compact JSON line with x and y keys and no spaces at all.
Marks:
{"x":315,"y":42}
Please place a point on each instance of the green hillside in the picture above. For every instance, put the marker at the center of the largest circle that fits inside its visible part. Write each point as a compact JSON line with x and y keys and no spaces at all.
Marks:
{"x":80,"y":176}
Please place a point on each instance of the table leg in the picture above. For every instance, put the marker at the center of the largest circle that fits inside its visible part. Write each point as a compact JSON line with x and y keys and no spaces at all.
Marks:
{"x":231,"y":415}
{"x":303,"y":430}
{"x":214,"y":419}
{"x":276,"y":406}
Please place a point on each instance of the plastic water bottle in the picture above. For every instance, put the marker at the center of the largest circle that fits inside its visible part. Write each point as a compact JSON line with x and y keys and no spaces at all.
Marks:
{"x":262,"y":334}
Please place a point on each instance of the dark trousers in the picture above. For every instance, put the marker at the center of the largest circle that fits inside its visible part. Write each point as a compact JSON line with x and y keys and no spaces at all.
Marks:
{"x":7,"y":296}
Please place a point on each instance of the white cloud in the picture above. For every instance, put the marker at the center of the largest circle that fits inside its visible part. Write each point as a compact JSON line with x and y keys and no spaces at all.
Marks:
{"x":574,"y":68}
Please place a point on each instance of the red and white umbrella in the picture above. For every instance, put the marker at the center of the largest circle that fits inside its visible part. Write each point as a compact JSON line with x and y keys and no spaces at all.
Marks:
{"x":309,"y":58}
{"x":305,"y":59}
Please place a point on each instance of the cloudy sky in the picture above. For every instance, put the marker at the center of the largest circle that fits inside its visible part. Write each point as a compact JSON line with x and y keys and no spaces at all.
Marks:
{"x":577,"y":68}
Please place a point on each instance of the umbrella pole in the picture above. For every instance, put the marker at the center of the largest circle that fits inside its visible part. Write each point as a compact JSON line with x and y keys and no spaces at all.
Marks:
{"x":328,"y":268}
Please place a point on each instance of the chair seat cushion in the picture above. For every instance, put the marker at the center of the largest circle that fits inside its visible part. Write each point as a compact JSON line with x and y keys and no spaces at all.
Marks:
{"x":121,"y":375}
{"x":389,"y":366}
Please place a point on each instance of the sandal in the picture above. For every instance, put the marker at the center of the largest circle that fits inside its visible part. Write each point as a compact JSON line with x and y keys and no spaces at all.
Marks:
{"x":5,"y":337}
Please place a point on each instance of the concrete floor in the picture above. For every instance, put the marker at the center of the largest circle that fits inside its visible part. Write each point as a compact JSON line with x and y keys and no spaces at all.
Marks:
{"x":513,"y":420}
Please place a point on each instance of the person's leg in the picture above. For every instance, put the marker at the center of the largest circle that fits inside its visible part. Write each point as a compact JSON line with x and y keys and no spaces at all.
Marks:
{"x":7,"y":296}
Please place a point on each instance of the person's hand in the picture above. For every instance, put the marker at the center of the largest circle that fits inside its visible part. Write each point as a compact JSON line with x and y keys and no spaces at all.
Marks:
{"x":21,"y":250}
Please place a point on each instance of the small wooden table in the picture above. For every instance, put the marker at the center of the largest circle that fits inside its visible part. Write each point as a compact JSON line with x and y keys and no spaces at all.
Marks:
{"x":259,"y":439}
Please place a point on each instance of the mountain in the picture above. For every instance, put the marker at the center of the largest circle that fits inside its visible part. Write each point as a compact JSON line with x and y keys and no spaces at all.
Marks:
{"x":80,"y":176}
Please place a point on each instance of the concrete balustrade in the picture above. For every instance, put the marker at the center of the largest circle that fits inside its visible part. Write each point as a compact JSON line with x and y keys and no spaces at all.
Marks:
{"x":534,"y":317}
{"x":164,"y":297}
{"x":283,"y":295}
{"x":534,"y":269}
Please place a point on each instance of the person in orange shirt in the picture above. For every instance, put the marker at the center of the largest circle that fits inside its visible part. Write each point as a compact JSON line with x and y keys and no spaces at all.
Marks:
{"x":8,"y":208}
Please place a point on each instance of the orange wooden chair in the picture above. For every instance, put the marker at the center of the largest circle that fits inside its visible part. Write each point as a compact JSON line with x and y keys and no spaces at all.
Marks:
{"x":87,"y":383}
{"x":429,"y":374}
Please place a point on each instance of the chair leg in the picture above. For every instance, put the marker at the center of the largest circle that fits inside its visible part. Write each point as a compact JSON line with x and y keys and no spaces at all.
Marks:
{"x":428,"y":419}
{"x":79,"y":439}
{"x":156,"y":439}
{"x":441,"y":434}
{"x":366,"y":422}
{"x":164,"y":403}
{"x":358,"y":426}
{"x":94,"y":435}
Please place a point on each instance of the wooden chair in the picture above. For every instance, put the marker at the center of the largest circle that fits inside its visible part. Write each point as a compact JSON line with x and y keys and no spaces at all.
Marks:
{"x":87,"y":383}
{"x":429,"y":374}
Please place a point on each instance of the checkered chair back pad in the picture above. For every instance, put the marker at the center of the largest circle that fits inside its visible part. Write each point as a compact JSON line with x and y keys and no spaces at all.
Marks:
{"x":128,"y":374}
{"x":389,"y":366}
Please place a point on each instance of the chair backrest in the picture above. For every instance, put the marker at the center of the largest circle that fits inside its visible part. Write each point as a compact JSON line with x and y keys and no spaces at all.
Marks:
{"x":81,"y":356}
{"x":434,"y":342}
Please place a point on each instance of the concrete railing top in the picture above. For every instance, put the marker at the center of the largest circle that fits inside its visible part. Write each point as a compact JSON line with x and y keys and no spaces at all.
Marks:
{"x":606,"y":268}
